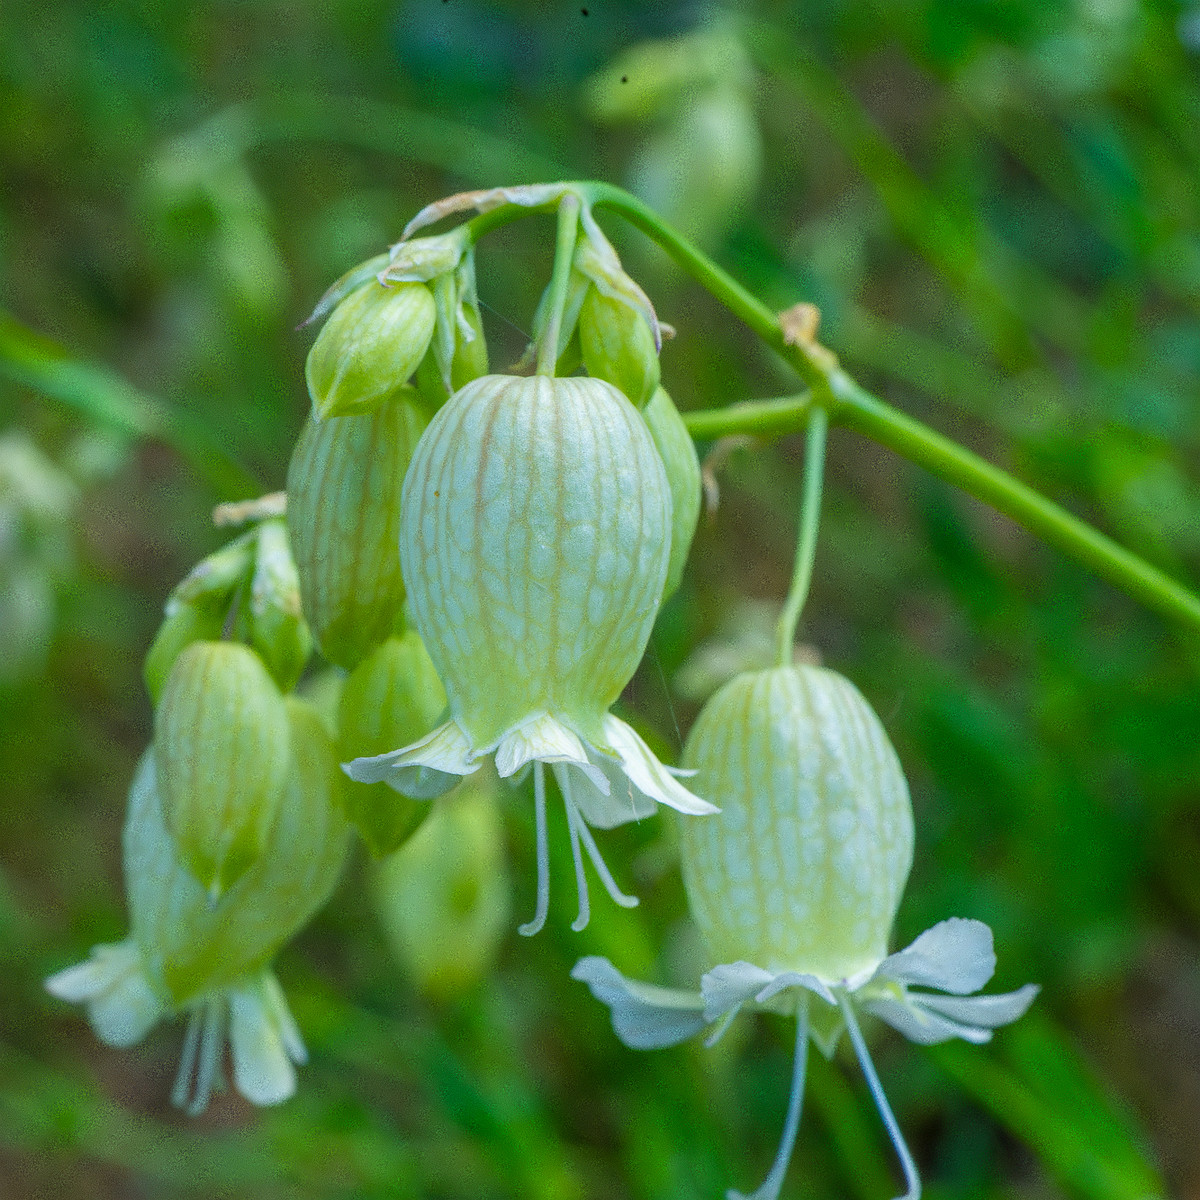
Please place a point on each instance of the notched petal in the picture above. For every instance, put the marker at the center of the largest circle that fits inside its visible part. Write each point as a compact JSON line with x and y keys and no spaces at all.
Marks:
{"x":644,"y":1016}
{"x":956,"y":955}
{"x":425,"y":769}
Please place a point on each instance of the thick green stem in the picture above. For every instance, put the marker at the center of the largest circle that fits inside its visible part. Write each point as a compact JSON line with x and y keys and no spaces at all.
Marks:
{"x":564,"y":255}
{"x":810,"y":520}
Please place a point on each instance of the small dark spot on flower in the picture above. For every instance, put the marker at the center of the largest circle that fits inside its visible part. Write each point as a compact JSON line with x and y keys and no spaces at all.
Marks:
{"x":624,"y":78}
{"x":584,"y":11}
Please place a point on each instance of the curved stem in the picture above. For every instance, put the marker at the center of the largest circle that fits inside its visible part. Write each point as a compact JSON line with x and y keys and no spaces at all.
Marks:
{"x":810,"y":520}
{"x":911,"y":1179}
{"x":564,"y":254}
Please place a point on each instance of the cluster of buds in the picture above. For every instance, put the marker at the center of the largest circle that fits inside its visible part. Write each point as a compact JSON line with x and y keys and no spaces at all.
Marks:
{"x":481,"y":559}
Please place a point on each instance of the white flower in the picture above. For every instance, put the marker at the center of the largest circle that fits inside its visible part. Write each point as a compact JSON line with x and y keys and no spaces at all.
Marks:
{"x":955,"y":956}
{"x":535,"y":537}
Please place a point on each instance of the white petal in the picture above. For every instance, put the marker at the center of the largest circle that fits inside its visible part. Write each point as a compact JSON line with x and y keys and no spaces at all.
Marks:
{"x":122,"y":1006}
{"x":796,"y":979}
{"x":918,"y":1023}
{"x":955,"y":956}
{"x":541,"y":738}
{"x":640,"y":776}
{"x":644,"y":1016}
{"x":261,"y":1033}
{"x":425,"y":769}
{"x":729,"y":985}
{"x":986,"y":1012}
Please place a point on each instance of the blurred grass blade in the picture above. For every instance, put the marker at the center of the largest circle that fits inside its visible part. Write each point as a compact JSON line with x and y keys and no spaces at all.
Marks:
{"x":1049,"y":1098}
{"x":103,"y":397}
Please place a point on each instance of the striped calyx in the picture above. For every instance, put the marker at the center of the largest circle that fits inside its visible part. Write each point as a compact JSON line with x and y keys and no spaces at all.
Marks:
{"x":371,"y":344}
{"x":804,"y":867}
{"x":222,"y":738}
{"x":617,"y":344}
{"x":344,"y":484}
{"x":534,"y":542}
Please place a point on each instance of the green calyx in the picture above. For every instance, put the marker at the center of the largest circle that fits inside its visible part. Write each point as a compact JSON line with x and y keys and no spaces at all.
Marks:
{"x":372,"y":343}
{"x":223,"y":744}
{"x":678,"y":453}
{"x":392,"y":698}
{"x":804,"y":866}
{"x":344,"y":485}
{"x":617,"y":345}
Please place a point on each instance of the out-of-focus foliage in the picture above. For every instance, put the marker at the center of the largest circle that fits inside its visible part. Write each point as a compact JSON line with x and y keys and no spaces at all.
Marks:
{"x":996,"y":207}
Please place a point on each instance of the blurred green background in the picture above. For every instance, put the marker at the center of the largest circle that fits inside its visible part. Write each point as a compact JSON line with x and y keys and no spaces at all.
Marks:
{"x":996,"y":204}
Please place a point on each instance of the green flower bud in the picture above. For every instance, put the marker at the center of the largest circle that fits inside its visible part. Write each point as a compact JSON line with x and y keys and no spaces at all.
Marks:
{"x":803,"y":868}
{"x":275,"y":625}
{"x":370,"y":345}
{"x":678,"y":453}
{"x":184,"y":624}
{"x":344,"y":487}
{"x":221,"y":733}
{"x":444,"y":900}
{"x":617,"y":345}
{"x":392,"y":698}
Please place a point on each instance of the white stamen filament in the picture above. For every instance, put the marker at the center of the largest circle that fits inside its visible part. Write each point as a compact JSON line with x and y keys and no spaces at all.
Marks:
{"x":574,"y":821}
{"x":543,"y":854}
{"x":770,"y":1187}
{"x":200,"y":1060}
{"x":187,"y":1059}
{"x":610,"y":884}
{"x":911,"y":1178}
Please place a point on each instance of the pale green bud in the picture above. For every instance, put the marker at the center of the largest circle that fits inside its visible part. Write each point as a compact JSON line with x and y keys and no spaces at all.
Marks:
{"x":201,"y":621}
{"x":371,"y":344}
{"x":534,"y":539}
{"x":221,"y":732}
{"x":804,"y":866}
{"x":344,"y":487}
{"x":444,"y":899}
{"x":468,"y":361}
{"x":682,"y":465}
{"x":275,"y":624}
{"x":617,"y":345}
{"x":393,"y":697}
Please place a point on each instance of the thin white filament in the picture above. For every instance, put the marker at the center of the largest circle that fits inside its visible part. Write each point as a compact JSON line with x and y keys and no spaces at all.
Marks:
{"x":911,"y":1178}
{"x":212,"y":1042}
{"x":770,"y":1187}
{"x":187,"y":1059}
{"x":543,"y":854}
{"x":610,"y":884}
{"x":574,"y":821}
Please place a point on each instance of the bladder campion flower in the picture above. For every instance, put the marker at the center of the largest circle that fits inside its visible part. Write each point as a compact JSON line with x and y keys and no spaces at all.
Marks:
{"x":534,"y":542}
{"x":795,"y":885}
{"x":211,"y":959}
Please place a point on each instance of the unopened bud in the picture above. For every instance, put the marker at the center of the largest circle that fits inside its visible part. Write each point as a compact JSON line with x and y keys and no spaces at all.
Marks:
{"x":275,"y":624}
{"x":617,"y":346}
{"x":221,"y":735}
{"x":393,"y":697}
{"x":344,"y":485}
{"x":370,"y":345}
{"x":678,"y":452}
{"x":184,"y":624}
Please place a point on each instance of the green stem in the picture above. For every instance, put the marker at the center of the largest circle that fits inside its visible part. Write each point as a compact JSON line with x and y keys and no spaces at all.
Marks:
{"x":810,"y":520}
{"x":564,"y":254}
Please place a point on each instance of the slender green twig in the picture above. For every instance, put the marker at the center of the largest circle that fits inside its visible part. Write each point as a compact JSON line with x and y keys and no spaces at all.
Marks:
{"x":810,"y":520}
{"x":564,"y":252}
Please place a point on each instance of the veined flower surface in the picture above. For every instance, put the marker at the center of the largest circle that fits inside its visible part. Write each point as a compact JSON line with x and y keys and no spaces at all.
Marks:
{"x":795,"y":885}
{"x":534,"y":542}
{"x":187,"y":953}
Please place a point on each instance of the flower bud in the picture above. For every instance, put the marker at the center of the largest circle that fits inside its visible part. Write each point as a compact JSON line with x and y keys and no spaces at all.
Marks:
{"x":617,"y":345}
{"x":274,"y":623}
{"x":344,"y":487}
{"x":803,"y":868}
{"x":444,"y":899}
{"x":370,"y":345}
{"x":221,"y":732}
{"x":393,"y":697}
{"x":183,"y":624}
{"x":678,"y":453}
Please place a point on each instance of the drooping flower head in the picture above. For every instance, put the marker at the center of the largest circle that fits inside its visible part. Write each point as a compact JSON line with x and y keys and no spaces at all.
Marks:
{"x":535,"y":538}
{"x":795,"y":886}
{"x":211,"y":959}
